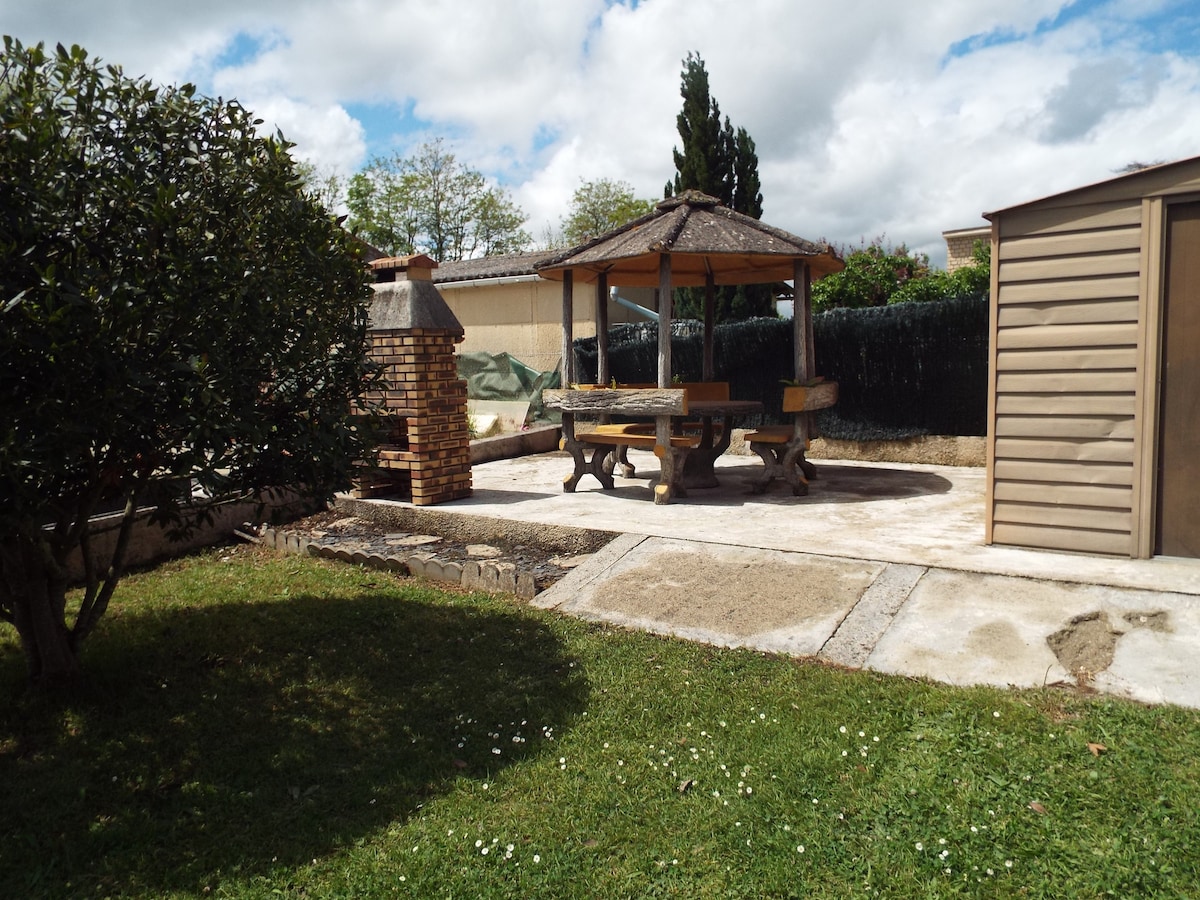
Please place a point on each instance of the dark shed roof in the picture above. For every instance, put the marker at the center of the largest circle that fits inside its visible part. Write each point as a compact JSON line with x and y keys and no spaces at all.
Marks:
{"x":1127,"y":185}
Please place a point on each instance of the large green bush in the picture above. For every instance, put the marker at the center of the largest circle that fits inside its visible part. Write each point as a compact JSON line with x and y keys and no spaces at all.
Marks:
{"x":173,"y":312}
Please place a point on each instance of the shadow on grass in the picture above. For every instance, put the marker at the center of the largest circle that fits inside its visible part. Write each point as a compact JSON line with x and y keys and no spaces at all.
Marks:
{"x":237,"y":740}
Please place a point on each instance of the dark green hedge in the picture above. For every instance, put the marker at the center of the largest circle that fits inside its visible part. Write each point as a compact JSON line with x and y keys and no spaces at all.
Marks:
{"x":902,"y":370}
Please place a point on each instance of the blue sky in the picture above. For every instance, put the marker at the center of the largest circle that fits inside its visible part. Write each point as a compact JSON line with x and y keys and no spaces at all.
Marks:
{"x":1158,"y":27}
{"x":870,"y":118}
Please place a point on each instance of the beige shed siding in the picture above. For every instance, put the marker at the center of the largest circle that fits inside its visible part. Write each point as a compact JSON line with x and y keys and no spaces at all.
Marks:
{"x":1066,"y":377}
{"x":1100,"y":541}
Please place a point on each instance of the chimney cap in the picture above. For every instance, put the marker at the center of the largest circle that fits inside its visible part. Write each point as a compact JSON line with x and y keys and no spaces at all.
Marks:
{"x":417,"y":261}
{"x":417,"y":266}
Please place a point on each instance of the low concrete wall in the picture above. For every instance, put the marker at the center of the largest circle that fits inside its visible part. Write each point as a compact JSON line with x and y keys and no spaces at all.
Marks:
{"x":401,"y":516}
{"x":930,"y":449}
{"x":150,"y":543}
{"x":543,"y":439}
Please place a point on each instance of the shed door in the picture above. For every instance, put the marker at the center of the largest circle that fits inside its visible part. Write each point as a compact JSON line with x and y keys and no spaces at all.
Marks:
{"x":1178,"y":526}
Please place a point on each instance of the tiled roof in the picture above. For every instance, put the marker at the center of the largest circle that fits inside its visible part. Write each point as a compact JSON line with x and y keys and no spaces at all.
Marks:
{"x":491,"y":266}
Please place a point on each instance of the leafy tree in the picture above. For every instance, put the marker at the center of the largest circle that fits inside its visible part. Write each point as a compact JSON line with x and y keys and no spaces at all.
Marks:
{"x":877,"y":274}
{"x":382,"y":200}
{"x":180,"y":325}
{"x":722,"y":163}
{"x":715,"y":159}
{"x":497,"y":227}
{"x":600,"y":206}
{"x":431,"y":203}
{"x":747,"y":190}
{"x":941,"y":285}
{"x":873,"y":273}
{"x":325,"y":185}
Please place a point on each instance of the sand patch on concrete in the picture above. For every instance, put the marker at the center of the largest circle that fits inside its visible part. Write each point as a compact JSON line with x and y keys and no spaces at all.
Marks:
{"x":736,"y":597}
{"x":1088,"y":643}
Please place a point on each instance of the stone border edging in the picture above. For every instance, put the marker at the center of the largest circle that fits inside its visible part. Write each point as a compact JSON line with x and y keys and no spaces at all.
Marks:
{"x":490,"y":576}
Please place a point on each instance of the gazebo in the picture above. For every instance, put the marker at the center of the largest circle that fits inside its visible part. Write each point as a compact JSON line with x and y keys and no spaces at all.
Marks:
{"x":690,"y":241}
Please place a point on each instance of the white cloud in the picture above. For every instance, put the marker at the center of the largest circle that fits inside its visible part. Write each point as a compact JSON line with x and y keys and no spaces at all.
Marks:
{"x":325,"y":136}
{"x":869,"y":118}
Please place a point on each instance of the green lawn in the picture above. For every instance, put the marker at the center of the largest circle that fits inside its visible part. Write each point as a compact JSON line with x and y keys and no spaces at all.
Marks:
{"x":261,"y":726}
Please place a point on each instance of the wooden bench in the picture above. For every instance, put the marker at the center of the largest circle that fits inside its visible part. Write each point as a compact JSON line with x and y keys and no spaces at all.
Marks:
{"x":704,"y":390}
{"x":608,"y":450}
{"x":601,"y":441}
{"x":782,"y":452}
{"x":782,"y":447}
{"x":620,"y":449}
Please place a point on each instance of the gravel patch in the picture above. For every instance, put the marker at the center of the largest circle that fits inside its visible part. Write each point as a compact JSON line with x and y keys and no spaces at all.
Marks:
{"x":525,"y":569}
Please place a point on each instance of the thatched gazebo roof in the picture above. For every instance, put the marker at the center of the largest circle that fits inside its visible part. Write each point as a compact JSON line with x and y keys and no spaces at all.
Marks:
{"x":689,"y":241}
{"x":703,"y":238}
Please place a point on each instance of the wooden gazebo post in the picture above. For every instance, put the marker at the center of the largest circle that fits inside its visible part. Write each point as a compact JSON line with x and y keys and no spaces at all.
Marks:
{"x":662,"y":424}
{"x":664,"y":320}
{"x":802,"y":338}
{"x":710,"y":318}
{"x":602,"y":369}
{"x":568,"y":328}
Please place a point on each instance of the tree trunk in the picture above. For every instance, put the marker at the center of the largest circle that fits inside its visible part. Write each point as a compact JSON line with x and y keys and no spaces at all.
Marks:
{"x":35,"y":590}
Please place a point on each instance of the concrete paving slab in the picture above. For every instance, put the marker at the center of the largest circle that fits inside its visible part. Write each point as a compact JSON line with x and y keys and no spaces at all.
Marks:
{"x":901,"y":513}
{"x":861,"y":630}
{"x":977,"y":629}
{"x":983,"y":629}
{"x":1157,"y":655}
{"x":583,"y":577}
{"x":726,"y":595}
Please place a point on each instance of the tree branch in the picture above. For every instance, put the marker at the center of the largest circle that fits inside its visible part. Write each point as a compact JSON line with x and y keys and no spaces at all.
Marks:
{"x":90,"y":612}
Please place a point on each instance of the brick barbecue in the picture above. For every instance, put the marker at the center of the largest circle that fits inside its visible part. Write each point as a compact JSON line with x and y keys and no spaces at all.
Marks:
{"x":425,"y":454}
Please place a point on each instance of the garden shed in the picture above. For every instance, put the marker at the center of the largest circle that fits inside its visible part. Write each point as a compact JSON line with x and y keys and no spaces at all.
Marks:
{"x":1094,"y":400}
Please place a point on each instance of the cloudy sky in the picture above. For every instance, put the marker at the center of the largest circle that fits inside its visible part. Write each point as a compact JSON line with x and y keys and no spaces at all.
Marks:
{"x":871,"y":117}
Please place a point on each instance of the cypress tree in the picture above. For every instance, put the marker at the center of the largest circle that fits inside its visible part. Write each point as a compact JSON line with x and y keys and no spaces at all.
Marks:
{"x":703,"y":164}
{"x":722,"y":163}
{"x":747,"y":190}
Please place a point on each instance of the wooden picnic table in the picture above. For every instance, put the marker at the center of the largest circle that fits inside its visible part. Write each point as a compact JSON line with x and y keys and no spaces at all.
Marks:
{"x":687,"y":455}
{"x":699,"y":468}
{"x":657,"y":406}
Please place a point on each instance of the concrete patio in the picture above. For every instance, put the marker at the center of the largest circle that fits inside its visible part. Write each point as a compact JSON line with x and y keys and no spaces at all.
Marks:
{"x":881,"y":566}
